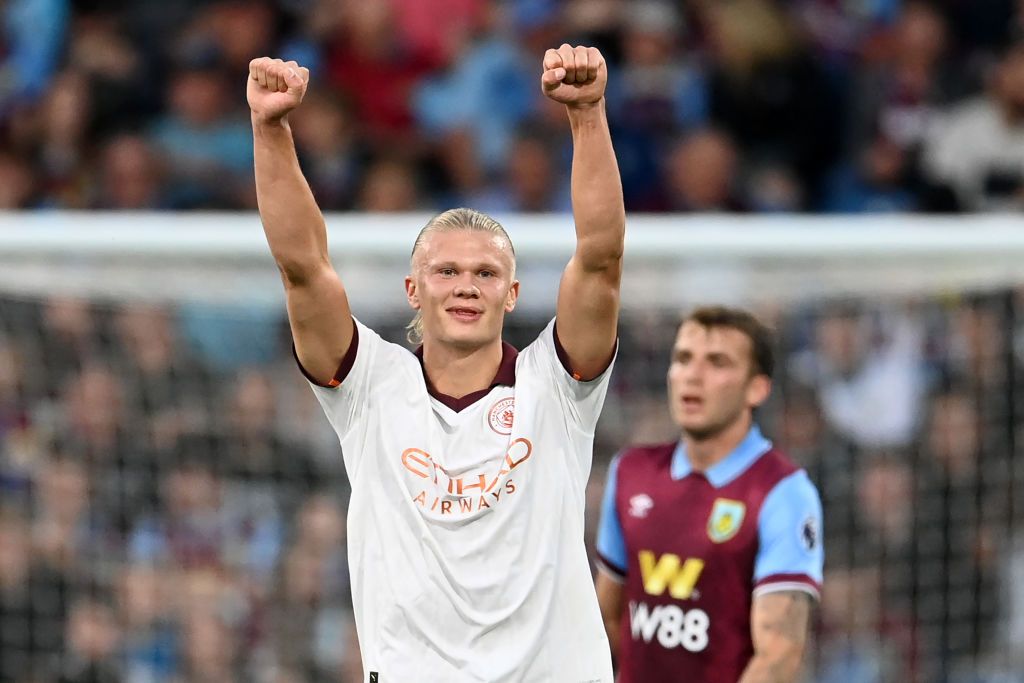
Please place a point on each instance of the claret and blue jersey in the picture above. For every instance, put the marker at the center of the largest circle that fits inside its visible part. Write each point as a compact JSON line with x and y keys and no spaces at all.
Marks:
{"x":693,"y":549}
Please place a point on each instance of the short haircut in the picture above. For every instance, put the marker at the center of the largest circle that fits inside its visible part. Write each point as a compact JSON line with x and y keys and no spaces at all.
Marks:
{"x":762,"y":341}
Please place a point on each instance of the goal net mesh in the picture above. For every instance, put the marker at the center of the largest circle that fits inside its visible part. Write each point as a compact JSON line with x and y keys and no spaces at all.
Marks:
{"x":172,"y":502}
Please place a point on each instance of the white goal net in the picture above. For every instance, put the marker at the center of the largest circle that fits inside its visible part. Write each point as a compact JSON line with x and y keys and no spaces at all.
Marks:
{"x":172,"y":504}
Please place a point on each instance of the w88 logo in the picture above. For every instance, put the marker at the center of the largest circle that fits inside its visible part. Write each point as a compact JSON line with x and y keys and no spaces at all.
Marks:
{"x":669,"y":626}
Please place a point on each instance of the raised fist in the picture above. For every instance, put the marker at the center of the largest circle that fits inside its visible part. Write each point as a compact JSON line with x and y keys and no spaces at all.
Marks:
{"x":574,"y":75}
{"x":275,"y":87}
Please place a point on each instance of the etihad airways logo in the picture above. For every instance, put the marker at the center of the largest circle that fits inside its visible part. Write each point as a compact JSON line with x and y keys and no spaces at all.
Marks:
{"x":467,"y":493}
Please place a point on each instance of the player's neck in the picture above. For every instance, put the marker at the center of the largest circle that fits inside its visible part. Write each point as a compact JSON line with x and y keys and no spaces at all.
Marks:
{"x":455,"y":371}
{"x":707,"y":452}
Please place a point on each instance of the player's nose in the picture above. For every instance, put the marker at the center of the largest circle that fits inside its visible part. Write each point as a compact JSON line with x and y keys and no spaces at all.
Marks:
{"x":467,"y":290}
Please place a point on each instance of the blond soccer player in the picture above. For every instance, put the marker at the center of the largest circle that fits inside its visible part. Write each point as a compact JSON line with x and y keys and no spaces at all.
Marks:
{"x":467,"y":459}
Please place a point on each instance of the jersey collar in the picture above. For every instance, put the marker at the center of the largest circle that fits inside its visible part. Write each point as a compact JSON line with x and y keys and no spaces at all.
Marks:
{"x":753,"y":446}
{"x":506,"y":376}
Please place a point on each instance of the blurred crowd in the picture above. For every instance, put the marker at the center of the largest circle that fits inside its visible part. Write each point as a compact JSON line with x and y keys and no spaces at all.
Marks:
{"x":173,"y":510}
{"x":715,"y":105}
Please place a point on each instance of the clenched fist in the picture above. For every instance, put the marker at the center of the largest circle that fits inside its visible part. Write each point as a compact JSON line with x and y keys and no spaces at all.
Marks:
{"x":275,"y":88}
{"x":574,"y":75}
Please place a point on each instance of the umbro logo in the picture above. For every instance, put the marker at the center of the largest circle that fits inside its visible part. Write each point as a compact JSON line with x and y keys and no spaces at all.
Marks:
{"x":640,"y":505}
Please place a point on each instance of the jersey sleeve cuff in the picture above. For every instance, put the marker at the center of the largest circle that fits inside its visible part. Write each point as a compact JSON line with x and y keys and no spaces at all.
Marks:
{"x":788,"y":582}
{"x":563,"y":357}
{"x":610,"y":568}
{"x":344,"y":367}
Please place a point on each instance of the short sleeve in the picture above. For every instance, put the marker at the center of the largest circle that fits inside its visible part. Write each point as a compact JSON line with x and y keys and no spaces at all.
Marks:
{"x":346,"y":403}
{"x":790,"y":553}
{"x":611,"y":543}
{"x":581,"y":400}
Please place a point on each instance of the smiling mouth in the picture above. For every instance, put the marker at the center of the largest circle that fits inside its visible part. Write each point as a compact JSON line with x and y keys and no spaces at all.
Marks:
{"x":465,"y":314}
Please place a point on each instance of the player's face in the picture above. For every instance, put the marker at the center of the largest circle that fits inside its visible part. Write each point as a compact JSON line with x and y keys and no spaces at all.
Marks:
{"x":710,"y":380}
{"x":463,"y":286}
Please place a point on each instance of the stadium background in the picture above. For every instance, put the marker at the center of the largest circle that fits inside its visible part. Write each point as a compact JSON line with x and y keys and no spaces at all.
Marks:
{"x":171,"y":500}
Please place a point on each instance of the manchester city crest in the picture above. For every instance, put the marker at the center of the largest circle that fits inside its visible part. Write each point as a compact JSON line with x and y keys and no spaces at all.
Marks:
{"x":726,"y":519}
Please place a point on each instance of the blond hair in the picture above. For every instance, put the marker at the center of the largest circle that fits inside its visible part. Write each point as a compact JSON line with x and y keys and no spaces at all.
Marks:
{"x":450,"y":221}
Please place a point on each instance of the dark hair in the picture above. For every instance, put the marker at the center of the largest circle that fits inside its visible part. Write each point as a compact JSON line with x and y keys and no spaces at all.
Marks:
{"x":761,"y":338}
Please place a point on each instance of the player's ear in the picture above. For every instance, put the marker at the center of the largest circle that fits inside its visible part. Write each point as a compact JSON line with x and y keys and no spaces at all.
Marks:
{"x":512,"y":297}
{"x":411,"y":293}
{"x":758,"y":389}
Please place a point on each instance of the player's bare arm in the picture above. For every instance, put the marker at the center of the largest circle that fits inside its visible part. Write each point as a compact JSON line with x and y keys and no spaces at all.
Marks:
{"x":318,"y":309}
{"x":778,"y":627}
{"x":610,"y":597}
{"x":588,"y":297}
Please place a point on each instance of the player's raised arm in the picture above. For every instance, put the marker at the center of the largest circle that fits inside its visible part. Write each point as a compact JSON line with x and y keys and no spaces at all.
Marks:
{"x":588,"y":298}
{"x":318,"y":308}
{"x":778,"y":628}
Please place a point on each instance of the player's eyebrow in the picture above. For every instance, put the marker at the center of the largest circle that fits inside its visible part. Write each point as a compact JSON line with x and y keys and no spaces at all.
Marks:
{"x":479,"y":265}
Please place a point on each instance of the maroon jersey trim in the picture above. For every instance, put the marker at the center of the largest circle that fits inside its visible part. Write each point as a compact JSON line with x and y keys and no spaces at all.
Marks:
{"x":505,"y":377}
{"x":563,"y":358}
{"x":344,"y":367}
{"x":782,"y":582}
{"x":610,"y":567}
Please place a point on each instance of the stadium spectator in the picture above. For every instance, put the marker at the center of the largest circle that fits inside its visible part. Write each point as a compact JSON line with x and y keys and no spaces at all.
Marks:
{"x":485,"y":94}
{"x":122,"y":92}
{"x":17,"y":183}
{"x":390,"y":185}
{"x":876,"y":182}
{"x":977,"y":148}
{"x":210,"y":649}
{"x":767,"y":92}
{"x":307,"y":615}
{"x":33,"y":34}
{"x":31,"y":606}
{"x":130,"y":176}
{"x":368,"y":61}
{"x":66,"y":122}
{"x":150,"y":642}
{"x":859,"y":642}
{"x":332,"y":155}
{"x":905,"y":79}
{"x":169,"y":388}
{"x":93,"y":639}
{"x":955,"y":534}
{"x":64,"y":532}
{"x":204,"y":140}
{"x":531,"y":182}
{"x":701,"y":174}
{"x":255,"y":459}
{"x":207,"y":524}
{"x":869,"y":371}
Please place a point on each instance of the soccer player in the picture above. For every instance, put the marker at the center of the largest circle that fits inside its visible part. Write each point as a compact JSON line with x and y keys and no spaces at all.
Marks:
{"x":710,"y":548}
{"x":468,"y":461}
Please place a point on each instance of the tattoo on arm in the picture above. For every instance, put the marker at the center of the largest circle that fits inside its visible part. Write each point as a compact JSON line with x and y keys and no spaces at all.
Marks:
{"x":778,"y":627}
{"x":788,"y":617}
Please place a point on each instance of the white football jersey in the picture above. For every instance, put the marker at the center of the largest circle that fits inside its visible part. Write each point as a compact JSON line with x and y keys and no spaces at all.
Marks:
{"x":465,"y":528}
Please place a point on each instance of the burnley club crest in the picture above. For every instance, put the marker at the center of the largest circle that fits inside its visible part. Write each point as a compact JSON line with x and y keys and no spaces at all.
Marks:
{"x":726,"y":519}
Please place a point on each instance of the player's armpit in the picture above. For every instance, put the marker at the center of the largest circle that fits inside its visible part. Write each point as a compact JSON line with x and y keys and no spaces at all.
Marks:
{"x":778,"y":628}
